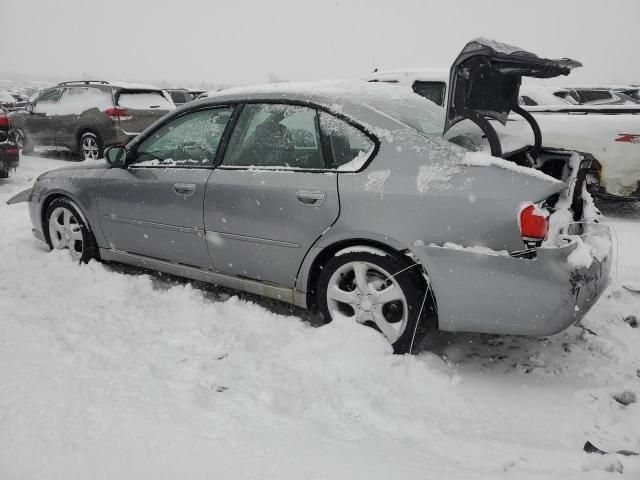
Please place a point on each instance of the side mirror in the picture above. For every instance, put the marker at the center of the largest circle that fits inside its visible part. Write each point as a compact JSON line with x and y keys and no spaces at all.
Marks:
{"x":29,"y":107}
{"x":116,"y":156}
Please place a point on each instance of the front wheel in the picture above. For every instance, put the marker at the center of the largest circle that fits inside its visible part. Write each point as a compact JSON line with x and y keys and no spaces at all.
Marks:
{"x":381,"y":291}
{"x":67,"y":230}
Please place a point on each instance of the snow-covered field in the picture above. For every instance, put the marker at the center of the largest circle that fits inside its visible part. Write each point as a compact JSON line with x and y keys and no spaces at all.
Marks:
{"x":111,"y":373}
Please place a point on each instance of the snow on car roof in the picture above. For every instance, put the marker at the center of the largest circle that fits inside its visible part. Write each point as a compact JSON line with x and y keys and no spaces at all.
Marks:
{"x":133,"y":85}
{"x":409,"y":75}
{"x":329,"y":93}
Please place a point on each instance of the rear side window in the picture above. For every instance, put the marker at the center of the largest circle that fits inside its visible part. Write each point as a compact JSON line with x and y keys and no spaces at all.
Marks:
{"x":528,"y":101}
{"x":348,"y":147}
{"x":587,"y":96}
{"x":76,"y":100}
{"x":276,"y":136}
{"x":190,"y":140}
{"x":434,"y":91}
{"x":144,"y":101}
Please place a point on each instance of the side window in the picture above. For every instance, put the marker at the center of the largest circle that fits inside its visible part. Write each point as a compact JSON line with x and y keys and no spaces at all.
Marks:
{"x":528,"y":101}
{"x":47,"y":100}
{"x":433,"y":91}
{"x":274,"y":135}
{"x":349,"y":148}
{"x":76,"y":100}
{"x":190,"y":140}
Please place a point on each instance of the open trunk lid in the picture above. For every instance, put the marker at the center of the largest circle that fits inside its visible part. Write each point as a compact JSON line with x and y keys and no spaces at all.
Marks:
{"x":143,"y":107}
{"x":484,"y":83}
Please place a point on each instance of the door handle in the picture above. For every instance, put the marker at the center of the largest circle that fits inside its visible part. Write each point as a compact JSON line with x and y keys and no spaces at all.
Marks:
{"x":184,"y":189}
{"x":311,"y":199}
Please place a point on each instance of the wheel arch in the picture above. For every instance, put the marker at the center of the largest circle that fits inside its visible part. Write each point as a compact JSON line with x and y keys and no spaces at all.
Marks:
{"x":48,"y":200}
{"x":314,"y":266}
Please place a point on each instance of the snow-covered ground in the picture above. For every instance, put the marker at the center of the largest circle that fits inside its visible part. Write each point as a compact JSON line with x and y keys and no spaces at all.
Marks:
{"x":111,"y":373}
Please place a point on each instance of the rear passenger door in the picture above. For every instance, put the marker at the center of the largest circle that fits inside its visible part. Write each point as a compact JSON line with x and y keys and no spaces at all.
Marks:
{"x":274,"y":194}
{"x":80,"y":109}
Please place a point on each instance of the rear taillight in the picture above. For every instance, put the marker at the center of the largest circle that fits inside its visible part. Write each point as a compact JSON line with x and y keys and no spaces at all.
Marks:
{"x":11,"y":151}
{"x":118,"y":113}
{"x":5,"y":121}
{"x":534,"y":223}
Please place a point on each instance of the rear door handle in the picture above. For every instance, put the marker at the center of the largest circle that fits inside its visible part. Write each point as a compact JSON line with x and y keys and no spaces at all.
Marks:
{"x":184,"y":189}
{"x":311,"y":199}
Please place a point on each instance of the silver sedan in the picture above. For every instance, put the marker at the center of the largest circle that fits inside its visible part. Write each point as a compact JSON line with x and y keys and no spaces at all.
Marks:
{"x":342,"y":197}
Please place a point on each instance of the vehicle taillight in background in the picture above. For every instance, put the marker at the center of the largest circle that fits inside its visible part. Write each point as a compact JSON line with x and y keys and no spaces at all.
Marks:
{"x":118,"y":113}
{"x":5,"y":120}
{"x":534,"y":224}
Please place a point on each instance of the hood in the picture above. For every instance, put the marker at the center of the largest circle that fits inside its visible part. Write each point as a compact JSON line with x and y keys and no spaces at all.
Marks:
{"x":485,"y":79}
{"x":85,"y":168}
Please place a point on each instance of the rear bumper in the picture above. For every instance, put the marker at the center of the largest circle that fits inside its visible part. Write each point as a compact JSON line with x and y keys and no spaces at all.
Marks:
{"x":501,"y":294}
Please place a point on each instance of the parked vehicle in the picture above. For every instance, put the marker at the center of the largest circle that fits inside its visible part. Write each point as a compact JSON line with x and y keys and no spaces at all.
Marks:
{"x":180,"y":96}
{"x":9,"y":155}
{"x":84,"y":117}
{"x":534,"y":96}
{"x":608,"y":136}
{"x":8,"y":100}
{"x":337,"y":196}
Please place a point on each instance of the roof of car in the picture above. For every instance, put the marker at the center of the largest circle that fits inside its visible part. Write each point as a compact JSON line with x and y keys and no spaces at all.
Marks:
{"x":327,"y":93}
{"x":110,"y":83}
{"x":409,"y":75}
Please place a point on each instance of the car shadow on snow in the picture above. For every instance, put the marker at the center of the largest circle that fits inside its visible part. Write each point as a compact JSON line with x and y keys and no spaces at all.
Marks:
{"x":217,"y":293}
{"x":473,"y":350}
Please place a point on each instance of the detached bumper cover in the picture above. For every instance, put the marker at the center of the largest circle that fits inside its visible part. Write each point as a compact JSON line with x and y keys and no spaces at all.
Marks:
{"x":501,"y":294}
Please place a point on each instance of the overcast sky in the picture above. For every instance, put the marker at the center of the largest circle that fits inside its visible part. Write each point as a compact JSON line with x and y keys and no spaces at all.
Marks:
{"x":249,"y":41}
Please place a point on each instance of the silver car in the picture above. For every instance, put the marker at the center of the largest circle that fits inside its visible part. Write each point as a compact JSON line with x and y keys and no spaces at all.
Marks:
{"x":338,"y":196}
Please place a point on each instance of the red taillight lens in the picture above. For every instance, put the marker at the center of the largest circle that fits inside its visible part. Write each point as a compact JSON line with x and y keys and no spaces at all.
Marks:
{"x":534,"y":223}
{"x":5,"y":121}
{"x":117,"y":113}
{"x":11,"y":151}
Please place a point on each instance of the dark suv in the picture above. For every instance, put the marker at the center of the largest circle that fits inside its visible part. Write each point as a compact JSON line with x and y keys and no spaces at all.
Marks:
{"x":8,"y":146}
{"x":87,"y":116}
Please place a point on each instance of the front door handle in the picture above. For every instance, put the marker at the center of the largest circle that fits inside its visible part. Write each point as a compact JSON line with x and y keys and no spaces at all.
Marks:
{"x":311,"y":199}
{"x":184,"y":189}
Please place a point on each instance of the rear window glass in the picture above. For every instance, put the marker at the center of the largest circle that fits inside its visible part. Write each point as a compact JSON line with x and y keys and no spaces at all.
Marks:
{"x":433,"y":91}
{"x":144,"y":101}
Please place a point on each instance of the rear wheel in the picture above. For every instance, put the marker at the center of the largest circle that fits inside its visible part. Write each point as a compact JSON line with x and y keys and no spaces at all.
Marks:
{"x":90,"y":146}
{"x":66,"y":229}
{"x":380,"y":291}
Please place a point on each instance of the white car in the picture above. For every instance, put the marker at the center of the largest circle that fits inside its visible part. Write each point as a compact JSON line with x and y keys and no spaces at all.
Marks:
{"x":607,"y":135}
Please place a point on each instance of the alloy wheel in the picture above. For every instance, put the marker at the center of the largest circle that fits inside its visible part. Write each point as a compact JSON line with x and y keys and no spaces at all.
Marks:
{"x":368,"y":294}
{"x":90,"y":147}
{"x":65,"y":232}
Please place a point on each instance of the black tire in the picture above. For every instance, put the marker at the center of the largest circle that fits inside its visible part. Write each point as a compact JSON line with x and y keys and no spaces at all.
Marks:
{"x":96,"y":141}
{"x":89,"y":245}
{"x":4,"y":173}
{"x":24,"y":144}
{"x":409,"y":280}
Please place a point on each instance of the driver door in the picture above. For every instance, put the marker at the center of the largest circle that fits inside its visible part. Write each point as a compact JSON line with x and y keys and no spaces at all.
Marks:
{"x":39,"y":124}
{"x":154,"y":207}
